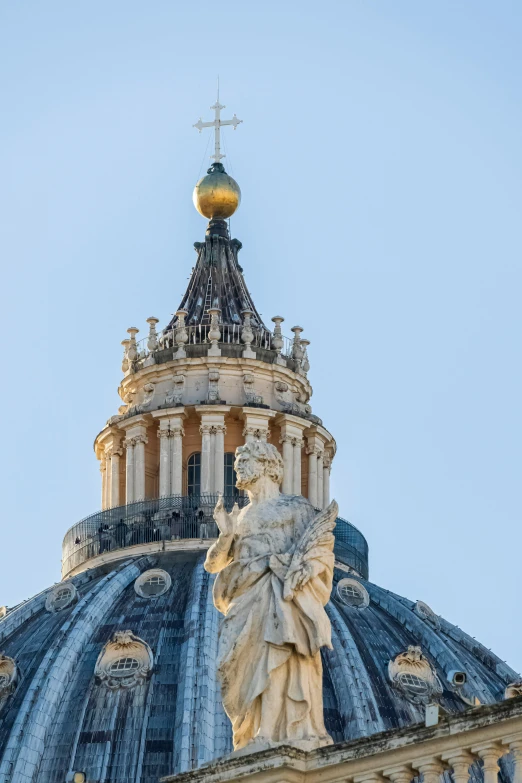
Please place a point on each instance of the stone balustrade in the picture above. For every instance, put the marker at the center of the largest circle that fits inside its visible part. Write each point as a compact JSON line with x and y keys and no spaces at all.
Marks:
{"x":142,"y":350}
{"x":470,"y":746}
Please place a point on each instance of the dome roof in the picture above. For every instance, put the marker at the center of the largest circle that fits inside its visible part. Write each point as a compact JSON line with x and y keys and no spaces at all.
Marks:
{"x":113,"y":671}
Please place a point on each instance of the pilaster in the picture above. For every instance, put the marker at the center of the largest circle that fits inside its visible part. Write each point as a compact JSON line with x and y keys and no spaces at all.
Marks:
{"x":212,"y":430}
{"x":134,"y":442}
{"x":170,"y":433}
{"x":257,"y":423}
{"x":292,"y":429}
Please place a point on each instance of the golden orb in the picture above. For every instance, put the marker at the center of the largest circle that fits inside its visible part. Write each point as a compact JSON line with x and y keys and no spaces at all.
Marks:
{"x":216,"y":195}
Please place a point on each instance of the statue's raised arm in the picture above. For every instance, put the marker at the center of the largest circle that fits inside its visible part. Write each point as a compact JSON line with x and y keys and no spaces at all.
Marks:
{"x":274,"y":563}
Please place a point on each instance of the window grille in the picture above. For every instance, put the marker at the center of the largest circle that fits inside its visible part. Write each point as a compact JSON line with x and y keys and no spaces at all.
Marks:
{"x":123,"y":666}
{"x":194,"y":474}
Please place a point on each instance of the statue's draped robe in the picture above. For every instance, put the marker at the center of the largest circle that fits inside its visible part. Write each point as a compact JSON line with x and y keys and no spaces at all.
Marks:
{"x":269,"y":662}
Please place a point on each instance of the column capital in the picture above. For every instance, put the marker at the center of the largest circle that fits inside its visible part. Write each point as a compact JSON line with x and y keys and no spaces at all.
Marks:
{"x":369,"y":777}
{"x":430,"y":767}
{"x":400,"y":774}
{"x":460,"y":761}
{"x":129,"y":442}
{"x":257,"y":433}
{"x":486,"y":749}
{"x":314,"y":450}
{"x":514,"y":742}
{"x":111,"y":451}
{"x":461,"y":756}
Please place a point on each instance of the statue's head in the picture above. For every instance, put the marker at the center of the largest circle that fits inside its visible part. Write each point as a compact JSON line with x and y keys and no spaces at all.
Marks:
{"x":256,"y":459}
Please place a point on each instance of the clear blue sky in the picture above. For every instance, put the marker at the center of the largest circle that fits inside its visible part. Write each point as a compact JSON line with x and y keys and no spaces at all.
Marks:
{"x":380,"y":164}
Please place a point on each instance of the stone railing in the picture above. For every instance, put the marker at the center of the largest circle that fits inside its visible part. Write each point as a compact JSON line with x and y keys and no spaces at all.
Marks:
{"x":177,"y":518}
{"x":215,"y":339}
{"x":472,"y":746}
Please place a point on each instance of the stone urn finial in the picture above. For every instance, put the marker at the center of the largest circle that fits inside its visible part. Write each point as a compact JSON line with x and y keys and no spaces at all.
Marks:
{"x":297,"y":349}
{"x":277,"y":339}
{"x":152,"y":341}
{"x":125,"y":362}
{"x":181,"y":334}
{"x":247,"y":335}
{"x":305,"y":364}
{"x":214,"y":333}
{"x":132,"y":351}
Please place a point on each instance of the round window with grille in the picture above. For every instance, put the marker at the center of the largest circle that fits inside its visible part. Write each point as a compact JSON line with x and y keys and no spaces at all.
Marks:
{"x":152,"y":583}
{"x":353,"y":593}
{"x":61,"y":596}
{"x":426,"y":612}
{"x":413,"y":685}
{"x":124,"y":667}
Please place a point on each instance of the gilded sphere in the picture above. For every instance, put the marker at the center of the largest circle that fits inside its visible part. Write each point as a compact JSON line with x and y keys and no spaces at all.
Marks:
{"x":216,"y":195}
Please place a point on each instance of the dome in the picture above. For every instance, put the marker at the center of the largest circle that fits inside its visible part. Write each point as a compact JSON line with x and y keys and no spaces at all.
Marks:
{"x":216,"y":195}
{"x":116,"y":676}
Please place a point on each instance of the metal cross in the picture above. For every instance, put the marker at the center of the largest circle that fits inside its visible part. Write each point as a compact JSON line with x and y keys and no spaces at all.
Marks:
{"x":216,"y":124}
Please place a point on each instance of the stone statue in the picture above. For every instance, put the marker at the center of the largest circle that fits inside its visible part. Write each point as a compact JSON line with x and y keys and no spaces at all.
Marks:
{"x":274,"y":561}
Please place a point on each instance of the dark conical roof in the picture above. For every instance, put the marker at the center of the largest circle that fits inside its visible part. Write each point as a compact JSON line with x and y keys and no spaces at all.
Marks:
{"x":217,"y":281}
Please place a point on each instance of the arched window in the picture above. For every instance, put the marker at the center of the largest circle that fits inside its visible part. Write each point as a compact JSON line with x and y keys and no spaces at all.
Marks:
{"x":194,"y":474}
{"x":230,"y":477}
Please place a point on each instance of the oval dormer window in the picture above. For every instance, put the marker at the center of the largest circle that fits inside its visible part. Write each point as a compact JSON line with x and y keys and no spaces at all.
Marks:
{"x":125,"y":661}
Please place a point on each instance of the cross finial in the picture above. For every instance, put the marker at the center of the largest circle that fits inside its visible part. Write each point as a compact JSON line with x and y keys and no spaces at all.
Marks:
{"x":217,"y":124}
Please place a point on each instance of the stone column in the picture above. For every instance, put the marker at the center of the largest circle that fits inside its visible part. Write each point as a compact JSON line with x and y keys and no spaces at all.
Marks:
{"x":176,"y":439}
{"x":288,"y":462}
{"x":292,"y":428}
{"x":313,"y":454}
{"x":515,"y":746}
{"x":296,"y":473}
{"x":164,"y":460}
{"x":129,"y":470}
{"x":219,"y":458}
{"x":326,"y":479}
{"x":430,"y":768}
{"x":108,"y":477}
{"x":103,"y":471}
{"x":139,"y":467}
{"x":460,"y":761}
{"x":205,"y":458}
{"x":490,"y":752}
{"x":115,"y":476}
{"x":320,"y":457}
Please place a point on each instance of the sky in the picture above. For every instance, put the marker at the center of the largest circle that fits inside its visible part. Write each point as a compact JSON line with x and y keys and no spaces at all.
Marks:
{"x":380,"y":166}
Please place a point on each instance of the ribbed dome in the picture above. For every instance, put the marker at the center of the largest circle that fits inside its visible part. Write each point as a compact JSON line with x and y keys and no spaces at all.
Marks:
{"x":63,"y":713}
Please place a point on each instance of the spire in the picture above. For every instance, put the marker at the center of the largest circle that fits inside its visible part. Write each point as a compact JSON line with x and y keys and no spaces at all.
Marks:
{"x":217,"y":282}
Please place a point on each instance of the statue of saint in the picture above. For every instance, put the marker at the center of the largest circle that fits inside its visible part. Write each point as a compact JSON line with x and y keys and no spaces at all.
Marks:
{"x":274,"y":561}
